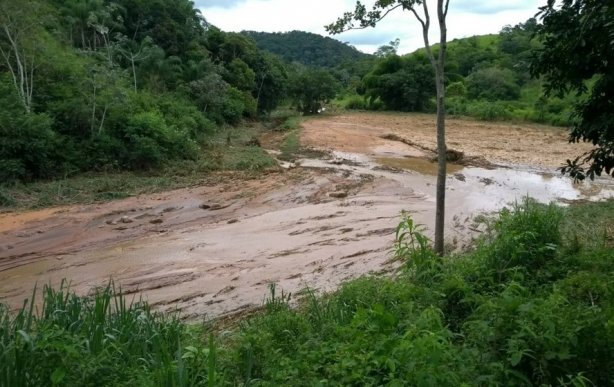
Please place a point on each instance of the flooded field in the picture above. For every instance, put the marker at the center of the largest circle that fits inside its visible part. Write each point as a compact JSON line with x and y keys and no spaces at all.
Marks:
{"x":214,"y":250}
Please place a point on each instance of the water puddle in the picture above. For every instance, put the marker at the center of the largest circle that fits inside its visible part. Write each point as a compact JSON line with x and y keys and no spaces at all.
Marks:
{"x":485,"y":189}
{"x":416,"y":164}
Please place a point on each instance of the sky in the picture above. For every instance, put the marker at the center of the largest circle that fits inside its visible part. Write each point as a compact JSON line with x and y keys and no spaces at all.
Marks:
{"x":465,"y":18}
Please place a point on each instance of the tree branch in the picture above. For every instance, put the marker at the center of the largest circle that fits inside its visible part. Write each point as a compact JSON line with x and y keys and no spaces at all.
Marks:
{"x":341,"y":26}
{"x":417,"y":15}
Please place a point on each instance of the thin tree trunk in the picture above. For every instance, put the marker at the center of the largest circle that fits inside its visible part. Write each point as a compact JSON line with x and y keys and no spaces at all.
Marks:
{"x":438,"y":68}
{"x":104,"y":114}
{"x":441,"y":166}
{"x":20,"y":74}
{"x":93,"y":113}
{"x":259,"y":90}
{"x":133,"y":71}
{"x":442,"y":11}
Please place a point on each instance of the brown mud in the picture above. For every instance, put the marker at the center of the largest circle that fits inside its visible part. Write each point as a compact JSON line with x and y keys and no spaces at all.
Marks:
{"x":213,"y":250}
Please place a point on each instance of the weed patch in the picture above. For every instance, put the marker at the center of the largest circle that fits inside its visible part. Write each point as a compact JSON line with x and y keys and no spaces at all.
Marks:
{"x":290,"y":146}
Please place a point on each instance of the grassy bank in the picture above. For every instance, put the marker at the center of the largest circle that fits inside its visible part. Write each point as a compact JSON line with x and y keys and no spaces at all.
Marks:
{"x":229,"y":150}
{"x":533,"y":304}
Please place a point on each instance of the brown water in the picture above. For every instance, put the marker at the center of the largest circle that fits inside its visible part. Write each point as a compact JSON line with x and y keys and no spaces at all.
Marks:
{"x":416,"y":164}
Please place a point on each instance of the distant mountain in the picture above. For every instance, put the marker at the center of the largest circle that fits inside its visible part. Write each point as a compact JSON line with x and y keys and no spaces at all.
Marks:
{"x":307,"y":48}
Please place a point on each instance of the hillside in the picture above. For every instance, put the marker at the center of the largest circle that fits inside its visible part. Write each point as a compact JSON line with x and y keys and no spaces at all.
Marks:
{"x":306,"y":48}
{"x":487,"y":77}
{"x":117,"y":90}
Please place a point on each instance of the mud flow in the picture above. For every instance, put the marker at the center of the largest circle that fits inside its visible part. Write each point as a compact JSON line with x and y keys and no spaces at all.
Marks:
{"x":213,"y":250}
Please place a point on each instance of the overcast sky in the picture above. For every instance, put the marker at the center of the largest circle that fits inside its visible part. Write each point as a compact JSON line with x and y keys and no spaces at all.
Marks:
{"x":465,"y":18}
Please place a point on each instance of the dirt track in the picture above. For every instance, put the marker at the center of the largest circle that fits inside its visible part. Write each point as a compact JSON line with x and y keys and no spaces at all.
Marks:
{"x":213,"y":250}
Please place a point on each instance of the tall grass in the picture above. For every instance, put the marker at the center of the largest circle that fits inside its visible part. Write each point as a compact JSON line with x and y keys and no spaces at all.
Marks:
{"x":103,"y":339}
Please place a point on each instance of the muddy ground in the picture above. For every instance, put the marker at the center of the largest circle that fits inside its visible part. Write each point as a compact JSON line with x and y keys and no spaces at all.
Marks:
{"x":213,"y":250}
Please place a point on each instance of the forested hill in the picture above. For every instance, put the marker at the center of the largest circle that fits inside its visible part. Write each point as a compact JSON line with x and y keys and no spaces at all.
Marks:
{"x":306,"y":48}
{"x":120,"y":84}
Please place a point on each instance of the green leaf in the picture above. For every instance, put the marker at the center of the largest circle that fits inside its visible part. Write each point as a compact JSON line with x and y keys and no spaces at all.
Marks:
{"x":515,"y":358}
{"x":57,"y":376}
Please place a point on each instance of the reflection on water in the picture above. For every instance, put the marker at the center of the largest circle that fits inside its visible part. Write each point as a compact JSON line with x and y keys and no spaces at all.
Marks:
{"x":491,"y":189}
{"x":476,"y":189}
{"x":471,"y":189}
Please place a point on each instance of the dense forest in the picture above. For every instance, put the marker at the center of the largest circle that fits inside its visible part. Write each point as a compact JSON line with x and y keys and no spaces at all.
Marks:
{"x":307,"y":48}
{"x":120,"y":84}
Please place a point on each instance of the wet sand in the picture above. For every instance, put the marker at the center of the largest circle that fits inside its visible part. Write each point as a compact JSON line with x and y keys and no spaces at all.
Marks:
{"x":214,"y":250}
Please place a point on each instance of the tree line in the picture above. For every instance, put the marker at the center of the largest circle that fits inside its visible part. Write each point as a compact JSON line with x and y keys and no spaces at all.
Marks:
{"x":94,"y":85}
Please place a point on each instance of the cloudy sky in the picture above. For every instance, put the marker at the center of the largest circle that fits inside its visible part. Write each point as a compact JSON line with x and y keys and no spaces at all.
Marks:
{"x":465,"y":18}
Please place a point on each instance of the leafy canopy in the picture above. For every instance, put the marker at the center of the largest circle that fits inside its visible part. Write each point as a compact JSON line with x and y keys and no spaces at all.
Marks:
{"x":577,"y":39}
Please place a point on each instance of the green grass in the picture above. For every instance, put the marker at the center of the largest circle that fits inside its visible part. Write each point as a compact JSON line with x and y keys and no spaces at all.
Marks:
{"x":533,"y":304}
{"x":291,"y":123}
{"x":290,"y":146}
{"x":522,"y":309}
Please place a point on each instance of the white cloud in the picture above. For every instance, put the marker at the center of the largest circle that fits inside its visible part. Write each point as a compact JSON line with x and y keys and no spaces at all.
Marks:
{"x":466,"y":18}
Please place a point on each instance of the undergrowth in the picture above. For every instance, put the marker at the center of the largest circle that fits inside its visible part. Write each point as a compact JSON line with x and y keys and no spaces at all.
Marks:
{"x":230,"y":149}
{"x":533,"y":304}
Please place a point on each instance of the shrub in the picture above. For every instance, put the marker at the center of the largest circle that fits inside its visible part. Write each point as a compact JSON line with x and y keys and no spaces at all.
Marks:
{"x":527,"y":238}
{"x":456,"y":89}
{"x":489,"y":111}
{"x":233,"y":106}
{"x":493,"y":84}
{"x":29,"y":148}
{"x":150,"y":141}
{"x":355,"y":102}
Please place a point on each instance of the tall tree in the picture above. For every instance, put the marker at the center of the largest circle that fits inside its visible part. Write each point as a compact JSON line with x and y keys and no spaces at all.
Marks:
{"x":577,"y":37}
{"x":20,"y":34}
{"x":420,"y":10}
{"x":311,"y":88}
{"x":389,"y":49}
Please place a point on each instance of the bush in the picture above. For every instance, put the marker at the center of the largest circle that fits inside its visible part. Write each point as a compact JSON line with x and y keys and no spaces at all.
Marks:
{"x":150,"y":141}
{"x":489,"y":111}
{"x":233,"y":106}
{"x":493,"y":84}
{"x":456,"y":89}
{"x":527,"y":239}
{"x":355,"y":102}
{"x":29,"y":148}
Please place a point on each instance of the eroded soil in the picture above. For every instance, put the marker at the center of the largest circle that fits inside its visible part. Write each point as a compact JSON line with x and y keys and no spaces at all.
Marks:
{"x":501,"y":143}
{"x":214,"y":250}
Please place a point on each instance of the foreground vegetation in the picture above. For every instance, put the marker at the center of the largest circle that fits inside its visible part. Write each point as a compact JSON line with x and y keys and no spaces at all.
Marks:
{"x":533,"y":304}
